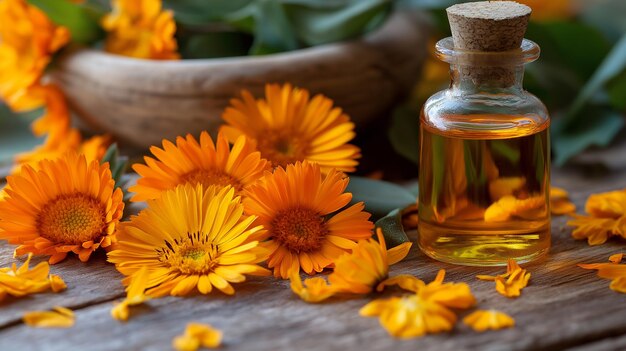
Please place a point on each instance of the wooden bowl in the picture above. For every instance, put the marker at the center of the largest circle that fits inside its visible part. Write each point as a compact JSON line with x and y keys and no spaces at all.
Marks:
{"x":144,"y":101}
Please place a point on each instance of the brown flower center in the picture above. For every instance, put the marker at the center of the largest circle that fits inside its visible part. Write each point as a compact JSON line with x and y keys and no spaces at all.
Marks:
{"x":208,"y":177}
{"x":282,"y":148}
{"x":72,"y":219}
{"x":190,"y":255}
{"x":299,"y":229}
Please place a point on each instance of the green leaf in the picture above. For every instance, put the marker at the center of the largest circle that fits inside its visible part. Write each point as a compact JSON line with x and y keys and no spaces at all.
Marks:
{"x":404,"y":133}
{"x":380,"y":197}
{"x":118,"y":164}
{"x":617,"y":92}
{"x":81,"y":21}
{"x":599,"y":127}
{"x":319,"y":22}
{"x":198,"y":12}
{"x":613,"y":64}
{"x":268,"y":22}
{"x":391,"y":225}
{"x":216,"y":44}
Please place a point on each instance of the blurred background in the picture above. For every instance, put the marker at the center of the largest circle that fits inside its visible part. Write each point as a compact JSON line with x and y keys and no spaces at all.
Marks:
{"x":580,"y":76}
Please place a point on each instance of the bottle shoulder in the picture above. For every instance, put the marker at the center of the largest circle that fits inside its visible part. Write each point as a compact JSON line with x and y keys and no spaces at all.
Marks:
{"x":499,"y":115}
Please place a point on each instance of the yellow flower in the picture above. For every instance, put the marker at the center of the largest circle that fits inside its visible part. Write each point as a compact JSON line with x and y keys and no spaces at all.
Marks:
{"x":607,"y":217}
{"x":28,"y":39}
{"x":426,"y":311}
{"x":358,"y":272}
{"x":141,"y":29}
{"x":511,"y":283}
{"x":544,"y":10}
{"x":197,"y":335}
{"x":560,"y":203}
{"x":190,"y":238}
{"x":613,"y":270}
{"x":481,"y":320}
{"x":288,"y":126}
{"x":304,"y":214}
{"x":135,"y":294}
{"x":23,"y":281}
{"x":206,"y":163}
{"x":66,"y":205}
{"x":59,"y":317}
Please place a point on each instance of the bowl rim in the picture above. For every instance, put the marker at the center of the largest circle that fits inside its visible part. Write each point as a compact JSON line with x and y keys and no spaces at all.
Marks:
{"x":391,"y":24}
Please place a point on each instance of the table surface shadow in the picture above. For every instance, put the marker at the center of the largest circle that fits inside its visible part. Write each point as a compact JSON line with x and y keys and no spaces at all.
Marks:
{"x":564,"y":307}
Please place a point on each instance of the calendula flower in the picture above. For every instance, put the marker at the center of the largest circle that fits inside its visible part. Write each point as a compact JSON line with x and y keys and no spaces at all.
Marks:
{"x":206,"y":163}
{"x":481,"y":320}
{"x":426,"y":311}
{"x":28,"y":39}
{"x":612,"y":270}
{"x":23,"y":281}
{"x":141,"y":29}
{"x":606,"y":217}
{"x":511,"y":283}
{"x":357,"y":272}
{"x":59,"y":317}
{"x":288,"y":126}
{"x":198,"y":335}
{"x":67,"y":205}
{"x":190,"y":238}
{"x":304,"y":215}
{"x":135,"y":294}
{"x":560,"y":203}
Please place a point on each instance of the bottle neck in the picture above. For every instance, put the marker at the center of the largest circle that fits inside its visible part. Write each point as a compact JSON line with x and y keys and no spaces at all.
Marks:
{"x":472,"y":80}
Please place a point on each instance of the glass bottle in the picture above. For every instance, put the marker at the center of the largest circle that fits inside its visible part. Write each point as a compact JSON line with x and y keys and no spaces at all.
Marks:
{"x":484,"y":159}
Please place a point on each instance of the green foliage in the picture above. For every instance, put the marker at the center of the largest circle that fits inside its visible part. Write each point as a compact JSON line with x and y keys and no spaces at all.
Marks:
{"x":380,"y":197}
{"x":220,"y":28}
{"x":81,"y":21}
{"x":117,"y":163}
{"x":404,"y":132}
{"x":391,"y":226}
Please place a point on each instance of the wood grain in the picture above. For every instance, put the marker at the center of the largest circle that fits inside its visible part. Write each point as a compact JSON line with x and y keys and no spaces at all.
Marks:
{"x":564,"y":307}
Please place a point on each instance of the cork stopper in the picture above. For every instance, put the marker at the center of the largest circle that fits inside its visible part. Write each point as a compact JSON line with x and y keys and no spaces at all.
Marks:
{"x":488,"y":26}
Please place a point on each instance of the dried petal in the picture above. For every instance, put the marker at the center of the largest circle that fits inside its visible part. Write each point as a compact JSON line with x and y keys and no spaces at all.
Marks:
{"x":481,"y":320}
{"x":60,"y":317}
{"x":196,"y":335}
{"x":619,"y":285}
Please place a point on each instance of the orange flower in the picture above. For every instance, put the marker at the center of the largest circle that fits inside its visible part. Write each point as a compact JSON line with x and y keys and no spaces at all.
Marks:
{"x":288,"y":126}
{"x":141,"y":29}
{"x":28,"y":39}
{"x":607,"y":217}
{"x":358,"y":272}
{"x":206,"y":163}
{"x":516,"y":279}
{"x":304,"y":214}
{"x":66,"y":205}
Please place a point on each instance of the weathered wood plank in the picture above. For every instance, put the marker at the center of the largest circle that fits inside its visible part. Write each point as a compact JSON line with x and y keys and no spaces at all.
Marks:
{"x":564,"y":307}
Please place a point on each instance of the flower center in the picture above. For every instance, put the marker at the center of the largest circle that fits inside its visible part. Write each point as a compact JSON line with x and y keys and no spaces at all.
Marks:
{"x":190,"y":255}
{"x":208,"y":177}
{"x":282,"y":148}
{"x":72,"y":219}
{"x":299,"y":229}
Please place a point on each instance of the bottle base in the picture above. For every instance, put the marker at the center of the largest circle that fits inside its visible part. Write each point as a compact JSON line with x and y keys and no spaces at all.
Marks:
{"x":483,"y":248}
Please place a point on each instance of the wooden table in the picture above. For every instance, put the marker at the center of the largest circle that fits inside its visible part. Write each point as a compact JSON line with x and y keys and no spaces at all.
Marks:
{"x":564,"y":307}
